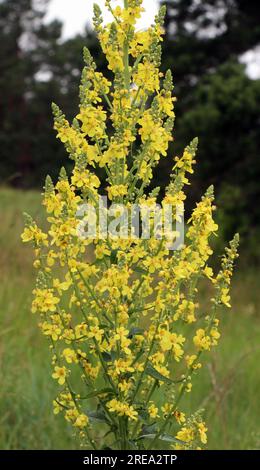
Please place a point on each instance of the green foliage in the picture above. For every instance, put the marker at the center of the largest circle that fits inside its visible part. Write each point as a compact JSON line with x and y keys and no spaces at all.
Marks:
{"x":224,"y":112}
{"x":217,"y":101}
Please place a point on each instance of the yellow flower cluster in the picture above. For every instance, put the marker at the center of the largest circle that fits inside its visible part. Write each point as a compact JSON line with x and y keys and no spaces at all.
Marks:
{"x":192,"y":436}
{"x":122,"y":409}
{"x":122,"y":314}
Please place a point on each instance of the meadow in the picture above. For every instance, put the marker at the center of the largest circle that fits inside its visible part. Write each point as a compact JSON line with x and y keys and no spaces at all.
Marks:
{"x":227,"y":387}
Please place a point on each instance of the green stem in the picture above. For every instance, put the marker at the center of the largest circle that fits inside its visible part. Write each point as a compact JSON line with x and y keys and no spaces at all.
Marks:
{"x":123,"y":431}
{"x":94,"y":297}
{"x":163,"y":427}
{"x":135,"y":431}
{"x":126,"y":56}
{"x":139,"y":383}
{"x":94,"y":339}
{"x":189,"y":373}
{"x":108,"y":102}
{"x":91,"y":441}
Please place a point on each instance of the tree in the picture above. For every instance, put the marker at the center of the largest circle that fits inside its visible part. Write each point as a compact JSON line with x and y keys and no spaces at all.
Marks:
{"x":21,"y":28}
{"x":37,"y":68}
{"x":225,"y":114}
{"x":217,"y":101}
{"x":209,"y":32}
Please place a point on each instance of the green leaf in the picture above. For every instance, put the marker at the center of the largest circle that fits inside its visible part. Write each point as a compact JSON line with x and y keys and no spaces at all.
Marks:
{"x":152,"y":372}
{"x":168,"y":438}
{"x":137,"y":269}
{"x":135,"y":331}
{"x":98,"y":416}
{"x":143,"y":414}
{"x":113,"y":256}
{"x":146,"y":436}
{"x":162,"y":437}
{"x":96,"y":393}
{"x":108,"y":357}
{"x":149,"y":429}
{"x":141,"y":352}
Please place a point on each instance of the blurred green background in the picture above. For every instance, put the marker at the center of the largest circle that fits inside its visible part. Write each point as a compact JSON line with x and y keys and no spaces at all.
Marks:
{"x":218,"y":101}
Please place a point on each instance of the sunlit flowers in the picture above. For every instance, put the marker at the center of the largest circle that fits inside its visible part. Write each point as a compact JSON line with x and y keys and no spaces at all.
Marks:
{"x":122,"y":315}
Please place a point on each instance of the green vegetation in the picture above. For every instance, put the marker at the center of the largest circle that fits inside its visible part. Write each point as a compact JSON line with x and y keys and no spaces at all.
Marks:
{"x":230,"y":382}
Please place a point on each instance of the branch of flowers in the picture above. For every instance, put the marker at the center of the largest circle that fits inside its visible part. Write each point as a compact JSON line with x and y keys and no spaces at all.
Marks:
{"x":91,"y":441}
{"x":139,"y":383}
{"x":105,"y":166}
{"x":138,"y":60}
{"x":112,"y":13}
{"x":138,"y":288}
{"x":108,"y":102}
{"x":53,"y":346}
{"x":96,"y":343}
{"x":126,"y":61}
{"x":144,"y":183}
{"x":140,"y":285}
{"x":137,"y":166}
{"x":189,"y":373}
{"x":141,"y":309}
{"x":89,"y":383}
{"x":150,"y":394}
{"x":94,"y":297}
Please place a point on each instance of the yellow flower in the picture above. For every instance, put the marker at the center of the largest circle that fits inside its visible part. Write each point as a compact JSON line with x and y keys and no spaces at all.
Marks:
{"x":85,"y":179}
{"x":180,"y":417}
{"x":166,"y":104}
{"x":60,"y":374}
{"x":122,"y":409}
{"x":225,"y":297}
{"x":69,"y":355}
{"x":101,"y":251}
{"x":51,"y":330}
{"x":171,"y":341}
{"x":116,"y":191}
{"x":153,"y":411}
{"x":186,"y":434}
{"x":34,"y":233}
{"x":191,"y":362}
{"x":141,"y":42}
{"x":125,"y":386}
{"x":93,"y":121}
{"x":148,"y":76}
{"x":44,"y":301}
{"x":202,"y":432}
{"x":96,"y":332}
{"x":215,"y":335}
{"x":122,"y":366}
{"x":81,"y":421}
{"x":201,"y":340}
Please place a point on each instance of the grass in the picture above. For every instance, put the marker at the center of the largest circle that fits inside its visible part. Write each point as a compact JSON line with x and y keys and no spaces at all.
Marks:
{"x":227,"y":387}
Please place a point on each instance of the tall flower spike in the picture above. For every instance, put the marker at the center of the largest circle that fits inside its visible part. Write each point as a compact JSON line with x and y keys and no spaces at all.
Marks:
{"x":121,"y":311}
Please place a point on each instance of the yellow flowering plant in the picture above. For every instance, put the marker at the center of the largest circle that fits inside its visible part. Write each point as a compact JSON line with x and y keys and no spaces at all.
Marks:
{"x":121,"y":313}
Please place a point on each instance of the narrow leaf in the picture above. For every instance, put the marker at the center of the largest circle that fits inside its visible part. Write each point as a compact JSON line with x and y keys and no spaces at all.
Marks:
{"x":152,"y":372}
